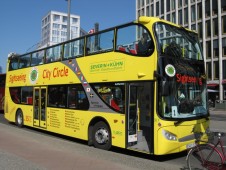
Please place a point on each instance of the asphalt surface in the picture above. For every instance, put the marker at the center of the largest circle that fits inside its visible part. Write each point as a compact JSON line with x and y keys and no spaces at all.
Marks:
{"x":218,"y":118}
{"x":25,"y":150}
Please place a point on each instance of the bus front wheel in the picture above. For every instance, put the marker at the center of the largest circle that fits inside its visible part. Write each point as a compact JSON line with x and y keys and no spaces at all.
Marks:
{"x":101,"y":136}
{"x":19,"y":118}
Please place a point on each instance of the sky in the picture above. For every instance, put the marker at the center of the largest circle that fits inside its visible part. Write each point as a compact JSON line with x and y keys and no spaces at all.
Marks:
{"x":20,"y":20}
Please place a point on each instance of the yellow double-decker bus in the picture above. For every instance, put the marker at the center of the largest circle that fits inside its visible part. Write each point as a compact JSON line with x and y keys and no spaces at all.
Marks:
{"x":139,"y":86}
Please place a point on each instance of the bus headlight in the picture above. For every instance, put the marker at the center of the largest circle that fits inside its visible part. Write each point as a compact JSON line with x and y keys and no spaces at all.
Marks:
{"x":168,"y":135}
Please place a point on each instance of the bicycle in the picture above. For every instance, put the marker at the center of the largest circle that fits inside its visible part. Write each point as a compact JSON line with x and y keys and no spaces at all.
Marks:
{"x":208,"y":155}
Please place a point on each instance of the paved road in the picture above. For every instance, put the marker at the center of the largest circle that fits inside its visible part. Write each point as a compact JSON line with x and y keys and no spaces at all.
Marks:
{"x":24,"y":149}
{"x":217,"y":120}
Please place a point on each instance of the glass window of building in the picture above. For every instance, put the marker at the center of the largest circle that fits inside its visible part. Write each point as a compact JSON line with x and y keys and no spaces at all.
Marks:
{"x":215,"y":49}
{"x":167,"y":6}
{"x":208,"y":28}
{"x":172,"y":4}
{"x":208,"y":70}
{"x":185,"y":2}
{"x":168,"y":17}
{"x":223,"y":5}
{"x":199,"y":12}
{"x":216,"y":69}
{"x":224,"y":68}
{"x":56,"y":17}
{"x":207,"y":5}
{"x":215,"y":27}
{"x":142,"y":3}
{"x":64,"y":19}
{"x":180,"y":17}
{"x":224,"y":24}
{"x":193,"y":27}
{"x":74,"y":20}
{"x":162,"y":6}
{"x":157,"y":8}
{"x":208,"y":49}
{"x":179,"y":3}
{"x":148,"y":11}
{"x":214,"y":7}
{"x":56,"y":25}
{"x":200,"y":30}
{"x":185,"y":15}
{"x":64,"y":27}
{"x":173,"y":17}
{"x":152,"y":10}
{"x":193,"y":14}
{"x":224,"y":47}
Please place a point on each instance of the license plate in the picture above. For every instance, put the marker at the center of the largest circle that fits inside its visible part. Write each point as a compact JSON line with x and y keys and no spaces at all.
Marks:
{"x":190,"y":145}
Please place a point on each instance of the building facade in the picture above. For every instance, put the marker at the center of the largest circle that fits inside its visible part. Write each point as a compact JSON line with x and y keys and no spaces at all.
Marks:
{"x":208,"y":18}
{"x":54,"y":28}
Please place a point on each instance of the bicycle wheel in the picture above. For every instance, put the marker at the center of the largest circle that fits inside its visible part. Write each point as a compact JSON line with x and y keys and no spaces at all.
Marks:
{"x":204,"y":157}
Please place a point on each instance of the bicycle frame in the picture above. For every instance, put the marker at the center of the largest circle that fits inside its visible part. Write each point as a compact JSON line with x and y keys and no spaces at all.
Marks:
{"x":214,"y":148}
{"x":221,"y":152}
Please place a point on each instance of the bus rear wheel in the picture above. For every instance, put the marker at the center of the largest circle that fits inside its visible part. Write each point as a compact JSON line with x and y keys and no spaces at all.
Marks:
{"x":19,"y":118}
{"x":101,"y":136}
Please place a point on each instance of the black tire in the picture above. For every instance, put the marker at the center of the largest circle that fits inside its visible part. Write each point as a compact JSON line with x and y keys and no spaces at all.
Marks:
{"x":197,"y":158}
{"x":19,"y":118}
{"x":101,"y":136}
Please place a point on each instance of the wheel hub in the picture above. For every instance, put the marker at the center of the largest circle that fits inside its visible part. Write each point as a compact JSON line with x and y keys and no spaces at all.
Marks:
{"x":102,"y":136}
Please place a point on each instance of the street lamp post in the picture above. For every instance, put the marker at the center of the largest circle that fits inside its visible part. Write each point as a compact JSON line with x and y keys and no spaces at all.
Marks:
{"x":68,"y":19}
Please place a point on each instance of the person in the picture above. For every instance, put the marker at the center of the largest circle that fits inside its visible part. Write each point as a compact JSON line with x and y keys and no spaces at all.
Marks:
{"x":144,"y":46}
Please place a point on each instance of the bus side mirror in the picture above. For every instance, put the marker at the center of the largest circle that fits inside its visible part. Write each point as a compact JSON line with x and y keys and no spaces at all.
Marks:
{"x":164,"y":88}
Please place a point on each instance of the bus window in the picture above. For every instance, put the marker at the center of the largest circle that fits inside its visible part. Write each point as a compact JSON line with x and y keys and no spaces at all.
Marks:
{"x":74,"y":49}
{"x":37,"y":58}
{"x":101,"y":42}
{"x":14,"y":64}
{"x":53,"y":54}
{"x":57,"y":96}
{"x":24,"y":61}
{"x":26,"y":95}
{"x":77,"y":98}
{"x":15,"y":94}
{"x":130,"y":38}
{"x":113,"y":94}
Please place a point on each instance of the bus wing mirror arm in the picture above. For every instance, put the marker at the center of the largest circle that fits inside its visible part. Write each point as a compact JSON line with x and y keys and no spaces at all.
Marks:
{"x":157,"y":75}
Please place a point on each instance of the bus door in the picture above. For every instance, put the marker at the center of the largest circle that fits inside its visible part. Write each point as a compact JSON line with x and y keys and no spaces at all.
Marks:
{"x":140,"y":115}
{"x":39,"y":106}
{"x":132,"y":115}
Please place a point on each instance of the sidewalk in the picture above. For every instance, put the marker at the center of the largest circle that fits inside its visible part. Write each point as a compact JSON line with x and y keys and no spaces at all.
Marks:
{"x":215,"y":124}
{"x":217,"y":112}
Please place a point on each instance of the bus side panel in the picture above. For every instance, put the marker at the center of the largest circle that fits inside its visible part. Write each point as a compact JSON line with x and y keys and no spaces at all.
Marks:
{"x":75,"y":123}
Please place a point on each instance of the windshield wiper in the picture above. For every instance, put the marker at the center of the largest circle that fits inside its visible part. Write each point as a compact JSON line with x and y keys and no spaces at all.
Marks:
{"x":178,"y":122}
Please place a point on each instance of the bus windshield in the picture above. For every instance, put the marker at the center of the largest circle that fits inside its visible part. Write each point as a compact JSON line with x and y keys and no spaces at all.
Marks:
{"x":177,"y":42}
{"x":181,"y":73}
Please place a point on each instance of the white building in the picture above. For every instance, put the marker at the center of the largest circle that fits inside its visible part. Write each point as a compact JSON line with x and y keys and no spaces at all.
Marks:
{"x":208,"y":18}
{"x":54,"y":28}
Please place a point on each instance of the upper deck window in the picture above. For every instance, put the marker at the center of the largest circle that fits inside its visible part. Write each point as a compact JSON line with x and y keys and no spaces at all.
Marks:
{"x":74,"y":49}
{"x":134,"y":39}
{"x":101,"y":42}
{"x":53,"y":54}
